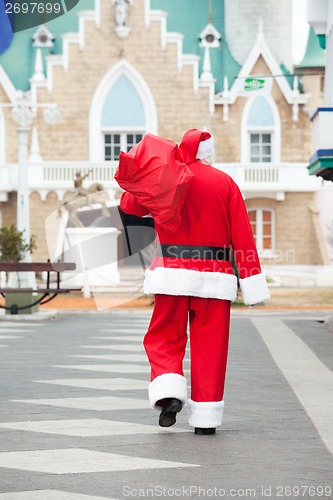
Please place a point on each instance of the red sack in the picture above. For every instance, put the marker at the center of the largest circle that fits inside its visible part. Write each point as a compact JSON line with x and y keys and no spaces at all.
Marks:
{"x":154,"y":173}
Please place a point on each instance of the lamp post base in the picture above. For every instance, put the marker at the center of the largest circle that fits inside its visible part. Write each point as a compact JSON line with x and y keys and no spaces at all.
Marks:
{"x":14,"y":301}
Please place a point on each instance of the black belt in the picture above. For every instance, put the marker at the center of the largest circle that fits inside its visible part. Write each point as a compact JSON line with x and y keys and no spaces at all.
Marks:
{"x":194,"y":252}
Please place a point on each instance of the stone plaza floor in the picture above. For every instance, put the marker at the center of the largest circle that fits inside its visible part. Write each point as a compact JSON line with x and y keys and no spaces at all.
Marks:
{"x":75,"y":423}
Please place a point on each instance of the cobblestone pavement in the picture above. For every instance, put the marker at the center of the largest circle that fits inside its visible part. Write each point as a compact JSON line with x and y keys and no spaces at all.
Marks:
{"x":75,"y":423}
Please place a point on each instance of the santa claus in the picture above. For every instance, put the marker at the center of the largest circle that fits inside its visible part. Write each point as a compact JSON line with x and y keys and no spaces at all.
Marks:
{"x":193,"y":280}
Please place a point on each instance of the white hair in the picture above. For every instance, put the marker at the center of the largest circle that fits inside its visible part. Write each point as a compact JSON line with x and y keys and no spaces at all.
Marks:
{"x":205,"y":149}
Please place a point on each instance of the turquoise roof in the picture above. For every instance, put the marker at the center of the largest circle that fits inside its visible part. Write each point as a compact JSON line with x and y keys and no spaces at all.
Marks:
{"x":189,"y":17}
{"x":314,"y":56}
{"x":19,"y":59}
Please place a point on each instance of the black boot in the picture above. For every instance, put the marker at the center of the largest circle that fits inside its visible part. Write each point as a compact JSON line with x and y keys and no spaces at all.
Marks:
{"x":203,"y":431}
{"x":168,"y":414}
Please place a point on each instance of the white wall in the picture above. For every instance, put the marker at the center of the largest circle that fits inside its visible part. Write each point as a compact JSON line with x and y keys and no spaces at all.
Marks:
{"x":324,"y":203}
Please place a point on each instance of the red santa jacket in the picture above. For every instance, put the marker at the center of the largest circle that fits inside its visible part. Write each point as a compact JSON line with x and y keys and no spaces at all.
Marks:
{"x":213,"y":215}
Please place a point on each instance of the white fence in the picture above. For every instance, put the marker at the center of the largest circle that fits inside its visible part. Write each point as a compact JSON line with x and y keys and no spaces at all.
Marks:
{"x":271,"y":177}
{"x":60,"y":172}
{"x":59,"y":176}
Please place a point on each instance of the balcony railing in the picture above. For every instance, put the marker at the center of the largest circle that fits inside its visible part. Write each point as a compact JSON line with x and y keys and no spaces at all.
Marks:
{"x":58,"y":175}
{"x":252,"y":177}
{"x":271,"y":177}
{"x":65,"y":172}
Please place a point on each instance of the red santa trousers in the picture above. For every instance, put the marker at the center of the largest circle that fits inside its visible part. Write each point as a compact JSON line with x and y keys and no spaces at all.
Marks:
{"x":165,"y":344}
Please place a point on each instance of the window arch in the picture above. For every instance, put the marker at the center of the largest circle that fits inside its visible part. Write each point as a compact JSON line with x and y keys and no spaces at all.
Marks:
{"x":122,"y":111}
{"x":263,"y":227}
{"x":123,"y":118}
{"x":261,"y":131}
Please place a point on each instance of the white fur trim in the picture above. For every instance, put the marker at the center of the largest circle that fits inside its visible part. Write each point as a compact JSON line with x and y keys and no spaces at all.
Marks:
{"x":254,"y":289}
{"x":206,"y":414}
{"x":171,"y":281}
{"x":205,"y":149}
{"x":168,"y":385}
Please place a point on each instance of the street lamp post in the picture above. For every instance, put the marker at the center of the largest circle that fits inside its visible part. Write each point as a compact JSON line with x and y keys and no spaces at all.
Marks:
{"x":23,"y":114}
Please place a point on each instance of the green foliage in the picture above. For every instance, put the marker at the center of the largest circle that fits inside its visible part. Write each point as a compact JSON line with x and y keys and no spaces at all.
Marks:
{"x":13,"y":247}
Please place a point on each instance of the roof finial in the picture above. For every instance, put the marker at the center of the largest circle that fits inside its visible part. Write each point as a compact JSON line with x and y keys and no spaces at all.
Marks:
{"x":210,"y":12}
{"x":260,"y":26}
{"x":35,"y":156}
{"x":225,"y":84}
{"x":295,"y":85}
{"x":38,"y":75}
{"x":260,"y":34}
{"x":206,"y":74}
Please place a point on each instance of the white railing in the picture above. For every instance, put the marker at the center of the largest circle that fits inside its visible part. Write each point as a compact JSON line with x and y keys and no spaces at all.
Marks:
{"x":65,"y":171}
{"x":271,"y":176}
{"x":250,"y":177}
{"x":262,"y":174}
{"x":58,"y":175}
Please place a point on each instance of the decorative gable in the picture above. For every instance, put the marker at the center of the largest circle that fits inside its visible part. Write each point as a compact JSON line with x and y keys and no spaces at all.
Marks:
{"x":260,"y":49}
{"x":43,"y":37}
{"x":210,"y":37}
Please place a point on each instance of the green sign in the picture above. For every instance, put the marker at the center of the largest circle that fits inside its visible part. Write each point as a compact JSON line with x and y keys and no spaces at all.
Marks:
{"x":258,"y":85}
{"x":254,"y":84}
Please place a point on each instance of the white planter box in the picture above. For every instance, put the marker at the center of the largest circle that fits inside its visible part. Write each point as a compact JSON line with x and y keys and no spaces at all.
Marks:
{"x":95,"y":252}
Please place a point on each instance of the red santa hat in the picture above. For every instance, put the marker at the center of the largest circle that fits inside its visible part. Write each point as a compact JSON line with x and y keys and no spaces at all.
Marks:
{"x":196,"y":145}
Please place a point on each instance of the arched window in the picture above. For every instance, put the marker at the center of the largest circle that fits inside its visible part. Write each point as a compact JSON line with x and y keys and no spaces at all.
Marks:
{"x":263,"y":228}
{"x":261,"y":131}
{"x":122,"y":111}
{"x":123,"y":118}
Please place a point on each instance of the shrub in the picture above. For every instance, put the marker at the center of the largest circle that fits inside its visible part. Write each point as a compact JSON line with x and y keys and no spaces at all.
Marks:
{"x":13,"y":246}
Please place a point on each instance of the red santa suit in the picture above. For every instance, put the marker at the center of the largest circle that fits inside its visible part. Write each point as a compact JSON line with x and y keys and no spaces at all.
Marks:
{"x":194,"y":282}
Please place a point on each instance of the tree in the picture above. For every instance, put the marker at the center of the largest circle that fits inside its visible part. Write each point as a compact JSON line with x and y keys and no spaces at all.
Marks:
{"x":13,"y":246}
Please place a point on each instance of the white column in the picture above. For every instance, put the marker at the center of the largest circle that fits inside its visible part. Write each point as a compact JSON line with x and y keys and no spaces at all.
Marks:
{"x":27,"y":280}
{"x":23,"y":208}
{"x":23,"y":116}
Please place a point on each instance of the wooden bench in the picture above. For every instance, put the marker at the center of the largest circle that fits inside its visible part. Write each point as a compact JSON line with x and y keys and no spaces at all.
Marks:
{"x":46,"y":294}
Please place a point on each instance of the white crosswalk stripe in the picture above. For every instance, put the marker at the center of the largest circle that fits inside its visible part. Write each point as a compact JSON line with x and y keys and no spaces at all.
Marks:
{"x":112,"y":368}
{"x":129,"y":358}
{"x":47,"y":495}
{"x":104,"y":403}
{"x":107,"y":384}
{"x":116,"y":347}
{"x":10,"y":337}
{"x":129,"y":338}
{"x":71,"y":461}
{"x":87,"y":427}
{"x":25,"y":326}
